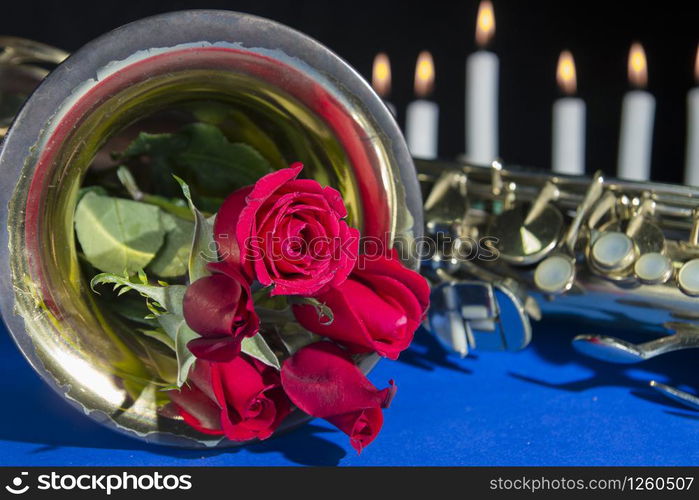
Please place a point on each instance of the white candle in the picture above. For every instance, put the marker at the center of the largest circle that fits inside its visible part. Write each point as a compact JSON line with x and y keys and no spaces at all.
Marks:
{"x":568,"y":136}
{"x":422,"y":115}
{"x":482,"y":70}
{"x":568,"y":153}
{"x":637,"y":116}
{"x":691,"y":172}
{"x":421,"y":128}
{"x":381,"y":79}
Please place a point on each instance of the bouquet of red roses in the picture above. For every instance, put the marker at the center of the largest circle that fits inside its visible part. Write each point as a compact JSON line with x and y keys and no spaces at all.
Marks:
{"x":277,"y":308}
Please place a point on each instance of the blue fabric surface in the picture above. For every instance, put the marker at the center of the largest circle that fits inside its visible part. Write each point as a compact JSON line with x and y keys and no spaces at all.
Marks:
{"x":545,"y":405}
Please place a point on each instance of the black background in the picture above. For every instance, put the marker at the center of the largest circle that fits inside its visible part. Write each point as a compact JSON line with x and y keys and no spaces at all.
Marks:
{"x":529,"y":38}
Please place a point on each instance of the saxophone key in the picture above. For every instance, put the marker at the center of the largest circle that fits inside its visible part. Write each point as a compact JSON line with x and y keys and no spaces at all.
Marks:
{"x":526,"y":235}
{"x":470,"y":313}
{"x":688,"y":275}
{"x":556,"y":274}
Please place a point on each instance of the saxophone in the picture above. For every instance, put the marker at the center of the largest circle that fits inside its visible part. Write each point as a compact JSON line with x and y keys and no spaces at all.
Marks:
{"x":514,"y":245}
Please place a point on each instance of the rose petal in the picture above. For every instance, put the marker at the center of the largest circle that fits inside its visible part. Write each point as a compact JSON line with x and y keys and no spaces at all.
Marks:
{"x":220,"y":309}
{"x":210,"y":305}
{"x":197,"y":410}
{"x":376,"y":309}
{"x":346,"y":327}
{"x":393,"y":267}
{"x":262,"y":190}
{"x":277,"y":211}
{"x":225,"y":225}
{"x":219,"y":349}
{"x":322,"y":380}
{"x":241,"y":399}
{"x":242,"y":384}
{"x":361,"y":426}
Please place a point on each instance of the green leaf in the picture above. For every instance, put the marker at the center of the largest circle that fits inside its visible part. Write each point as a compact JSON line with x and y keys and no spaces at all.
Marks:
{"x":159,"y":361}
{"x":238,"y":127}
{"x":176,"y":328}
{"x":263,"y":299}
{"x":118,"y":235}
{"x":91,"y":189}
{"x":160,"y":336}
{"x":175,"y":206}
{"x":294,"y":337}
{"x":161,"y":150}
{"x":274,"y":316}
{"x":258,"y":348}
{"x":203,"y":245}
{"x":173,"y":258}
{"x":217,"y":166}
{"x":170,"y":323}
{"x":200,"y":154}
{"x":165,"y":302}
{"x":185,"y":358}
{"x":169,"y":298}
{"x":241,"y":129}
{"x":132,"y":309}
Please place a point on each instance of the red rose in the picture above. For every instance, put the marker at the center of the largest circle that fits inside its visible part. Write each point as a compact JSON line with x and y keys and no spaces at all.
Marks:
{"x":322,"y":380}
{"x":378,"y":308}
{"x":220,"y":309}
{"x":287,"y":232}
{"x":241,"y":399}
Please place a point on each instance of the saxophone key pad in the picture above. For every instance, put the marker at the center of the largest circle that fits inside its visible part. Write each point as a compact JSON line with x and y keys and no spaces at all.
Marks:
{"x":613,"y":251}
{"x":688,"y":277}
{"x":555,"y":275}
{"x":653,"y":268}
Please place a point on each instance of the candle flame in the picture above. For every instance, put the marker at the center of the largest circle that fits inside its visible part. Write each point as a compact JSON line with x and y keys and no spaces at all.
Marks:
{"x":565,"y":73}
{"x":381,"y":74}
{"x":424,"y":74}
{"x":696,"y":65}
{"x":485,"y":23}
{"x":638,"y":68}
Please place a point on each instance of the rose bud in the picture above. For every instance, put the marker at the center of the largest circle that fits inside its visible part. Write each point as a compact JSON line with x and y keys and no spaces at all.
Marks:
{"x":220,"y":309}
{"x":378,"y":308}
{"x":287,"y":232}
{"x":322,"y":380}
{"x":241,"y":399}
